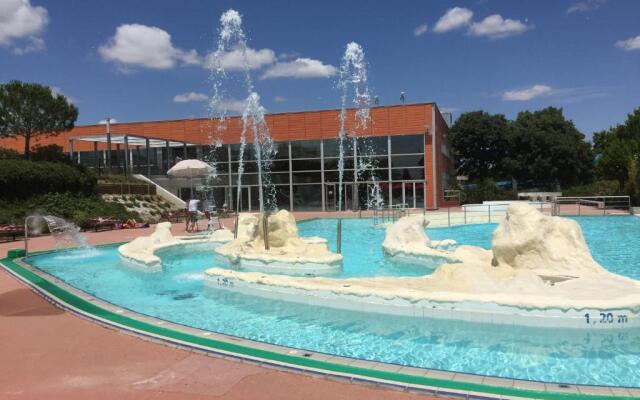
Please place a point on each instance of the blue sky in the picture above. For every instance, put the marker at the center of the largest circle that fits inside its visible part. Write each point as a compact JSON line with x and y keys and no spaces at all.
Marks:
{"x":142,"y":60}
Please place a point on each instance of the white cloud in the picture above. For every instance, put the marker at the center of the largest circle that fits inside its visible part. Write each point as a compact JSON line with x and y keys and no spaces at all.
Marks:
{"x":233,"y":105}
{"x":56,"y":91}
{"x":20,"y":21}
{"x":454,"y":18}
{"x":136,"y":45}
{"x":300,"y":68}
{"x":633,"y":43}
{"x":496,"y":27}
{"x":104,"y":121}
{"x":288,"y":55}
{"x":584,"y":6}
{"x":279,"y":99}
{"x":528,"y":93}
{"x":33,"y":44}
{"x":420,"y":30}
{"x":234,"y":60}
{"x":190,"y":97}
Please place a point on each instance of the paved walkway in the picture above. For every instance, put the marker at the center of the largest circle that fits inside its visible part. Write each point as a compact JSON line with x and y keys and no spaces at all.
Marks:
{"x":47,"y":353}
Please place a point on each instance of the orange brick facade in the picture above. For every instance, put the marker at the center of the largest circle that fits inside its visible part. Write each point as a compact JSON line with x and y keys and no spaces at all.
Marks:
{"x":394,"y":120}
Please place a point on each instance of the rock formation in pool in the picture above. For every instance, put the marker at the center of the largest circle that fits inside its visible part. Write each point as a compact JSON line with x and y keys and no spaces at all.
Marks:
{"x":406,"y":240}
{"x":537,"y":261}
{"x":287,"y":253}
{"x":141,"y":250}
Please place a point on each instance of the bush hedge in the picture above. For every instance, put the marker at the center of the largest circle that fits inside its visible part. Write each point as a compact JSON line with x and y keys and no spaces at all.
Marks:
{"x":70,"y":206}
{"x":597,"y":188}
{"x":22,"y":179}
{"x":486,"y":190}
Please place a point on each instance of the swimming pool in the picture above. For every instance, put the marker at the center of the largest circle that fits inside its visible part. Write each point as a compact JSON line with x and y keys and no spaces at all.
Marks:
{"x":177,"y":294}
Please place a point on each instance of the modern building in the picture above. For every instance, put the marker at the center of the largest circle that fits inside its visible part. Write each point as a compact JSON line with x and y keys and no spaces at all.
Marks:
{"x":407,"y":144}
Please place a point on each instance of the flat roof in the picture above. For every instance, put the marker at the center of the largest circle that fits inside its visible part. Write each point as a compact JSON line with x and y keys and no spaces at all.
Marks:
{"x":266,"y":114}
{"x":132,"y":139}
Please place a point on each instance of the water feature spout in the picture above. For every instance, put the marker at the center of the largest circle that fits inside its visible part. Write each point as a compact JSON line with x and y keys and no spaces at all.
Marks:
{"x":232,"y":39}
{"x":26,"y":233}
{"x":353,"y":78}
{"x":65,"y":233}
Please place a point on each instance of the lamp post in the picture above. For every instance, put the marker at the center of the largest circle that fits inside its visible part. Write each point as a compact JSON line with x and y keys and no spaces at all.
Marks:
{"x":108,"y":123}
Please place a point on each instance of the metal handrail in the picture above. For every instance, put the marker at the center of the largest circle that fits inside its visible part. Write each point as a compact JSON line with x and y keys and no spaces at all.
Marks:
{"x":604,"y":203}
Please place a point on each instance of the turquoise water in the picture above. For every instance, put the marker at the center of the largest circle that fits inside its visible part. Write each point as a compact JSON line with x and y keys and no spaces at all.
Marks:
{"x":554,"y":355}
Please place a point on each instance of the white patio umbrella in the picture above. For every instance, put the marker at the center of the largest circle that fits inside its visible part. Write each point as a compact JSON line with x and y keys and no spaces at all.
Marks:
{"x":190,"y":169}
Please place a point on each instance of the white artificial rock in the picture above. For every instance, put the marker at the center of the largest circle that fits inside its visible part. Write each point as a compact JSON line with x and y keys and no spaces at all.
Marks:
{"x":141,"y":250}
{"x":285,"y":244}
{"x":537,"y":262}
{"x":529,"y":240}
{"x":221,"y":235}
{"x":407,"y":240}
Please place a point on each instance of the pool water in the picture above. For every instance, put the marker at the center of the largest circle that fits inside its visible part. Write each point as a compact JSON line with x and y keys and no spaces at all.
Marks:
{"x":178,"y":294}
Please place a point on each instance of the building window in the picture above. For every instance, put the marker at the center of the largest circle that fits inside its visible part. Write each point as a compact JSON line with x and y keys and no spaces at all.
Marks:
{"x":407,"y":161}
{"x":219,"y":153}
{"x":409,"y":144}
{"x":235,"y":152}
{"x":249,"y":166}
{"x":332,"y":176}
{"x":407,"y":174}
{"x":373,"y":145}
{"x":331,"y":147}
{"x":376,"y":162}
{"x":282,"y":197}
{"x":306,"y":165}
{"x":307,"y":177}
{"x":280,"y":178}
{"x":332,"y":163}
{"x":307,"y":197}
{"x":280,"y":166}
{"x":247,"y":179}
{"x":282,"y":150}
{"x":305,"y":149}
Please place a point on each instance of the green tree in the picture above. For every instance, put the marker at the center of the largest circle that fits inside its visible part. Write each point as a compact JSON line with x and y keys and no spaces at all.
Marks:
{"x":617,"y":148}
{"x":31,"y":110}
{"x":631,"y":185}
{"x":615,"y":158}
{"x":548,"y":149}
{"x":479,"y":141}
{"x":630,"y":130}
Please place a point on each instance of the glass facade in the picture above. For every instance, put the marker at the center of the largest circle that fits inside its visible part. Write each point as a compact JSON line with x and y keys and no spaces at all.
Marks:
{"x":304,"y":172}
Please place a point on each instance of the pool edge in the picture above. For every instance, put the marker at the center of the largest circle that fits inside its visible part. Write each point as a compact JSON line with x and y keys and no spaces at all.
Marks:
{"x":226,"y":348}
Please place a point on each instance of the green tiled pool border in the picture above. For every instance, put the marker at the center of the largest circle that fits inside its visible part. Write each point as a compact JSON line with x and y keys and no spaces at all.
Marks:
{"x":67,"y":299}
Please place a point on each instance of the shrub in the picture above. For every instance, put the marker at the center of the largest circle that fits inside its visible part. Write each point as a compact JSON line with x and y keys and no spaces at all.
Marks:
{"x":8,"y":154}
{"x":597,"y":188}
{"x":486,"y":190}
{"x":120,"y":178}
{"x":50,"y":152}
{"x":22,"y":179}
{"x":72,"y":207}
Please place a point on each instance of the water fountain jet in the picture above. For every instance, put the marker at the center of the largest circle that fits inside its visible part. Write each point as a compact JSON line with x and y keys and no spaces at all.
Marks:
{"x":232,"y":38}
{"x":353,"y":77}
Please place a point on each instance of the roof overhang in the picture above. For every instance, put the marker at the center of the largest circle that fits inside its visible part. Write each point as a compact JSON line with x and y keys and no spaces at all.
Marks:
{"x":131,"y":140}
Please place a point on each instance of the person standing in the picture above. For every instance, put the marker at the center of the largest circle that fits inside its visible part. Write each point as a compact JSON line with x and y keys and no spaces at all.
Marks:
{"x":192,"y":222}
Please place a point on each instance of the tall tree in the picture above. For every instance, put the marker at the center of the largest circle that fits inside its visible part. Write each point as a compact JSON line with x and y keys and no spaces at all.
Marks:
{"x":31,"y":110}
{"x":548,"y":149}
{"x":615,"y":158}
{"x":479,"y":141}
{"x":616,"y":147}
{"x":630,"y":130}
